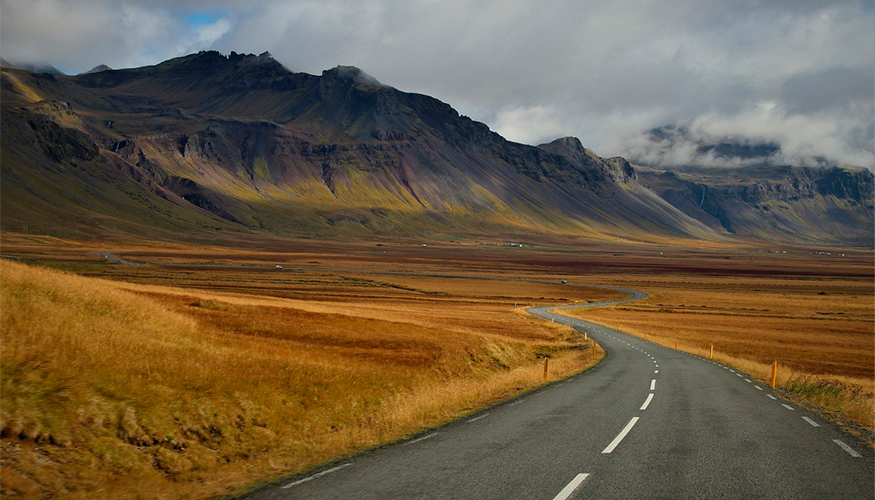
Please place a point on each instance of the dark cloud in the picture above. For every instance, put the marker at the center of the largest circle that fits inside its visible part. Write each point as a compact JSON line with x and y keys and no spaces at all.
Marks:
{"x":825,"y":89}
{"x":797,"y":72}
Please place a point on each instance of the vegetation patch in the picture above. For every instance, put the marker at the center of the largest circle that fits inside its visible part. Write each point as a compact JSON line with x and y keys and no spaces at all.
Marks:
{"x":123,"y":390}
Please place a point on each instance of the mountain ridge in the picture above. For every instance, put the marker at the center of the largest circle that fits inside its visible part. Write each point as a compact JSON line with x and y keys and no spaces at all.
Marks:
{"x":240,"y":142}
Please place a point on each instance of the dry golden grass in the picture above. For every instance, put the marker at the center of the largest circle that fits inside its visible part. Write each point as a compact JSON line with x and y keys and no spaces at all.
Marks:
{"x":260,"y":384}
{"x":111,"y":388}
{"x":820,"y":331}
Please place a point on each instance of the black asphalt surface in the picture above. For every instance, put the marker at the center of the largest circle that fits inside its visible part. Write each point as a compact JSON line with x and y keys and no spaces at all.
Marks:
{"x":695,"y":429}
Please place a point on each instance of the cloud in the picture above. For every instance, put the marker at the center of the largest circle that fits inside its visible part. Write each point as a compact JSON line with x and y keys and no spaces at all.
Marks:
{"x":603,"y":71}
{"x":77,"y":35}
{"x":528,"y":124}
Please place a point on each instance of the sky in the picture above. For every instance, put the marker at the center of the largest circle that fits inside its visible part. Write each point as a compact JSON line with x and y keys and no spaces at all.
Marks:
{"x":797,"y":73}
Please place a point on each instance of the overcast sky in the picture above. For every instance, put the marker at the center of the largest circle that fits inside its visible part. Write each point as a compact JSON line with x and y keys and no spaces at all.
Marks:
{"x":795,"y":72}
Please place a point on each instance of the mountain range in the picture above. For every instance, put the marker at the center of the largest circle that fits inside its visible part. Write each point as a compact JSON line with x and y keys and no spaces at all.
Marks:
{"x":240,"y":144}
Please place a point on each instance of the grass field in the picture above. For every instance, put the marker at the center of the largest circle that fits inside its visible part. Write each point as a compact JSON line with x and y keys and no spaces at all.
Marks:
{"x":206,"y":368}
{"x":113,"y":387}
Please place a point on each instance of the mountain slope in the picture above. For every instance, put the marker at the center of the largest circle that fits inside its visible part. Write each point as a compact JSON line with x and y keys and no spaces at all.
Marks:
{"x":241,"y":143}
{"x":783,"y":204}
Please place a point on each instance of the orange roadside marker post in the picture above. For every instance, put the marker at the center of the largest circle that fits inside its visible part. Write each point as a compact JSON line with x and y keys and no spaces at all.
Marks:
{"x":774,"y":372}
{"x":546,"y":363}
{"x":711,"y":356}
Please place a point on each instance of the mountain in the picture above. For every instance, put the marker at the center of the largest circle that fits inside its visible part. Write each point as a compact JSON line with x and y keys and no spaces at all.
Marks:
{"x":664,"y":143}
{"x":32,"y":67}
{"x":827,"y":204}
{"x":239,"y":143}
{"x":98,"y":69}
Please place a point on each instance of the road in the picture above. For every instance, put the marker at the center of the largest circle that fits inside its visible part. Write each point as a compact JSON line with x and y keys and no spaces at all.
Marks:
{"x":647,"y":422}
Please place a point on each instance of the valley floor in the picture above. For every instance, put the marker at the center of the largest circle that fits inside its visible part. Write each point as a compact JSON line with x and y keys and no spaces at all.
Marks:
{"x":209,"y":368}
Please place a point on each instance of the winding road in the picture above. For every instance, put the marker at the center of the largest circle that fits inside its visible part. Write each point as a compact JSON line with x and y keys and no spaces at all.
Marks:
{"x":647,"y":422}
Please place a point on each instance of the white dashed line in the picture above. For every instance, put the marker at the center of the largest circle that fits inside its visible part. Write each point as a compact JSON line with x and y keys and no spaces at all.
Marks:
{"x":515,"y":403}
{"x":788,"y":407}
{"x":647,"y":401}
{"x":772,"y":397}
{"x":758,"y":387}
{"x":656,"y":371}
{"x":314,"y":476}
{"x":847,"y":448}
{"x":653,"y":385}
{"x":571,"y":487}
{"x":477,"y":418}
{"x":747,"y":380}
{"x":423,"y":438}
{"x":812,"y":422}
{"x":620,"y":436}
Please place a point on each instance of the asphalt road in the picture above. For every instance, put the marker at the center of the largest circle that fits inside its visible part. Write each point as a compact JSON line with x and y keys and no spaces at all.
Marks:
{"x":647,"y":422}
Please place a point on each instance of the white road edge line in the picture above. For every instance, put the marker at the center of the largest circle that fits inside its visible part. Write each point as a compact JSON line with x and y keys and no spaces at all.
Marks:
{"x":647,"y":401}
{"x":812,"y":422}
{"x":516,"y":403}
{"x":423,"y":438}
{"x":788,"y":407}
{"x":772,"y":397}
{"x":653,"y":385}
{"x":620,"y":436}
{"x":571,"y":487}
{"x":847,"y":448}
{"x":758,"y":387}
{"x":314,"y":476}
{"x":476,"y":418}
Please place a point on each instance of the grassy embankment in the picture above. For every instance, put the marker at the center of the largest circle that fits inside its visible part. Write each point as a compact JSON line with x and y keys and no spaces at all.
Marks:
{"x":818,"y":330}
{"x":113,"y":389}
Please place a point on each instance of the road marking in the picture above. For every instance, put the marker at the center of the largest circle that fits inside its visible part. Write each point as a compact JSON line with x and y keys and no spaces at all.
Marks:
{"x":314,"y":476}
{"x":657,"y":366}
{"x":758,"y":387}
{"x":772,"y":397}
{"x":571,"y":487}
{"x":477,"y":418}
{"x":620,"y":436}
{"x":731,"y":371}
{"x":747,"y":380}
{"x":812,"y":422}
{"x":655,"y":371}
{"x":847,"y":448}
{"x":423,"y":438}
{"x":653,"y":385}
{"x":738,"y":374}
{"x":788,"y":407}
{"x":647,"y":401}
{"x":516,"y":403}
